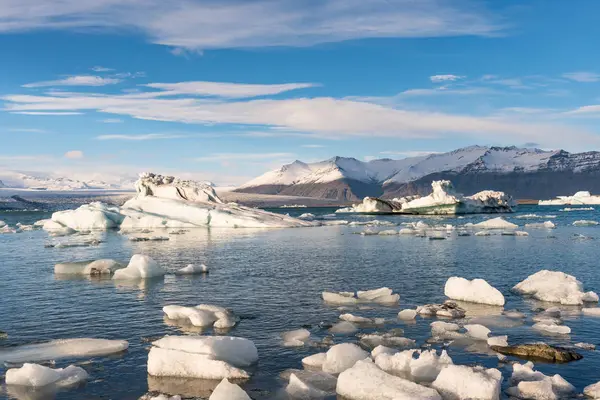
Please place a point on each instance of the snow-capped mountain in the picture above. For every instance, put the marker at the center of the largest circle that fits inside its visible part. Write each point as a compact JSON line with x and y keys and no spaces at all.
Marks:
{"x":522,"y":172}
{"x":39,"y":181}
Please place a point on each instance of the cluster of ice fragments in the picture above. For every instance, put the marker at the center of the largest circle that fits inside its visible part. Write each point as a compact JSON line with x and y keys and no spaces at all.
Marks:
{"x":167,"y":202}
{"x":443,"y":200}
{"x":583,"y":197}
{"x":382,"y":296}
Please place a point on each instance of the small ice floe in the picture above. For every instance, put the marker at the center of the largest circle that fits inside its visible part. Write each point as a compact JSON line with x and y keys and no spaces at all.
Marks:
{"x":585,"y":223}
{"x":592,"y":391}
{"x":381,"y":296}
{"x":501,"y":341}
{"x":445,"y":331}
{"x":202,"y":315}
{"x":25,"y":228}
{"x":555,"y":287}
{"x":343,"y":328}
{"x":593,"y":312}
{"x":366,"y":381}
{"x":495,"y":223}
{"x":335,"y":222}
{"x":521,"y":233}
{"x":477,"y":331}
{"x":35,"y":375}
{"x":534,"y":216}
{"x":149,"y":239}
{"x":407,"y":231}
{"x":448,"y":309}
{"x":407,"y":315}
{"x":550,"y":327}
{"x":542,"y":225}
{"x":425,"y":368}
{"x":530,"y":384}
{"x":140,"y":267}
{"x":483,"y":233}
{"x":192,"y":269}
{"x":308,"y":384}
{"x":343,"y":356}
{"x":567,"y":209}
{"x":307,"y":216}
{"x":372,"y":340}
{"x":381,"y":349}
{"x":104,"y":267}
{"x":228,"y":391}
{"x":474,"y":291}
{"x":7,"y":230}
{"x":315,"y":361}
{"x":299,"y":389}
{"x":206,"y":357}
{"x":585,"y":346}
{"x":355,"y":318}
{"x":463,"y":382}
{"x":160,"y":397}
{"x":295,"y":338}
{"x":61,"y":348}
{"x":388,"y":232}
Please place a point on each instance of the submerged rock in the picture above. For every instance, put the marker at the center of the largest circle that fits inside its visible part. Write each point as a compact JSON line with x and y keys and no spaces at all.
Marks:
{"x":539,"y":351}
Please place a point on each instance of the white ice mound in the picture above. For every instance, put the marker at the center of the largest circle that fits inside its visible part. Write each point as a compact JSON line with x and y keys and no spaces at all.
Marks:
{"x":201,"y":315}
{"x":167,"y":202}
{"x":365,"y":381}
{"x":140,"y":267}
{"x":303,"y":390}
{"x":592,"y":391}
{"x":556,"y":287}
{"x":474,"y":291}
{"x":445,"y":200}
{"x":584,"y":222}
{"x":457,"y":382}
{"x":425,"y":368}
{"x":583,"y":197}
{"x":97,"y":267}
{"x":381,"y":296}
{"x":192,"y":269}
{"x":228,"y":391}
{"x":233,"y":350}
{"x":530,"y":384}
{"x":62,"y":348}
{"x":496,"y":223}
{"x":295,"y":338}
{"x":373,"y":205}
{"x":343,"y":356}
{"x":35,"y":375}
{"x":407,"y":314}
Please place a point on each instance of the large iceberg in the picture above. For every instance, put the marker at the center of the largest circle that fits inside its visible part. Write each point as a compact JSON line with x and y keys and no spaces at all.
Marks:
{"x":168,"y":202}
{"x":582,"y":197}
{"x":475,"y":291}
{"x":443,"y":200}
{"x":555,"y":287}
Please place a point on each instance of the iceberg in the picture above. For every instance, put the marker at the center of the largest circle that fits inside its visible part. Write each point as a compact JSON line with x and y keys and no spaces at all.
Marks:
{"x":530,"y":384}
{"x":35,"y":375}
{"x":343,"y":356}
{"x":168,"y":202}
{"x":365,"y":381}
{"x":234,"y":350}
{"x":495,"y":223}
{"x":582,"y":197}
{"x":373,"y":205}
{"x":140,"y":267}
{"x":202,"y":315}
{"x":296,"y":338}
{"x":477,"y":331}
{"x":97,"y":267}
{"x":463,"y":382}
{"x":228,"y":391}
{"x":315,"y":361}
{"x":585,"y":223}
{"x":592,"y":391}
{"x":61,"y":348}
{"x":555,"y":287}
{"x":301,"y":390}
{"x":407,"y":315}
{"x":474,"y":291}
{"x":192,"y":269}
{"x":425,"y":368}
{"x":381,"y":296}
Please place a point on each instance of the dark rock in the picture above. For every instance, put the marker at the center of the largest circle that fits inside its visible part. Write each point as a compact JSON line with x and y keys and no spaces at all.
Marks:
{"x":539,"y":351}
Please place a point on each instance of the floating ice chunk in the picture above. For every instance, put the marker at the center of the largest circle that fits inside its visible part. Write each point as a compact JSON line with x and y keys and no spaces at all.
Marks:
{"x":594,"y":312}
{"x":457,"y":382}
{"x":98,"y":267}
{"x":521,"y":233}
{"x":581,"y":197}
{"x":382,"y":350}
{"x":372,"y":205}
{"x":498,"y":341}
{"x":552,"y":328}
{"x":2,"y":224}
{"x":496,"y":223}
{"x":315,"y":361}
{"x":585,"y":346}
{"x":343,"y":328}
{"x":477,"y":331}
{"x":202,"y":315}
{"x":546,"y":225}
{"x":555,"y":286}
{"x":343,"y":356}
{"x":388,"y":232}
{"x":308,"y":216}
{"x":406,"y":231}
{"x":532,"y":384}
{"x":339,"y":298}
{"x":237,"y":351}
{"x":365,"y":381}
{"x":177,"y":363}
{"x":483,"y":233}
{"x":380,"y":296}
{"x":192,"y":269}
{"x":36,"y":375}
{"x":93,"y":216}
{"x":592,"y":390}
{"x":301,"y":390}
{"x":62,"y":348}
{"x":355,"y":318}
{"x":427,"y":367}
{"x":373,"y":340}
{"x":396,"y":363}
{"x":475,"y":291}
{"x":407,"y":314}
{"x":228,"y":391}
{"x":585,"y":223}
{"x":445,"y":330}
{"x":140,"y":267}
{"x":295,"y":338}
{"x":566,"y":209}
{"x":149,"y":239}
{"x":334,"y":222}
{"x":449,"y":309}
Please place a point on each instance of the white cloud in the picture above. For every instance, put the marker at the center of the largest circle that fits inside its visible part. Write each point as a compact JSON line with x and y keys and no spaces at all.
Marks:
{"x":243,"y":156}
{"x":313,"y":146}
{"x":27,"y":130}
{"x":461,"y":91}
{"x":58,"y":113}
{"x":101,"y":69}
{"x":149,"y":136}
{"x":582,"y":76}
{"x":205,"y":24}
{"x":74,"y":154}
{"x":77,"y":80}
{"x":224,"y":89}
{"x":593,"y":110}
{"x":445,"y":78}
{"x":111,"y":121}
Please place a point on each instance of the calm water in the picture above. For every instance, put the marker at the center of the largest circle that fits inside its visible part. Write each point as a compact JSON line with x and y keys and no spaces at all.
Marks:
{"x":273,"y":279}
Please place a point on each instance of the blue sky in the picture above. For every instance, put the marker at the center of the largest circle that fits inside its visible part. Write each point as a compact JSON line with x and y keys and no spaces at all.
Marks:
{"x":225,"y":90}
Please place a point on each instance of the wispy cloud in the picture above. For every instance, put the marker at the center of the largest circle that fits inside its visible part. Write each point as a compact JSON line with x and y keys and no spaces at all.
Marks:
{"x":445,"y":78}
{"x":234,"y":24}
{"x":57,"y":113}
{"x":243,"y":156}
{"x":225,"y":89}
{"x":77,"y":80}
{"x":313,"y":146}
{"x":111,"y":120}
{"x":149,"y":136}
{"x":27,"y":130}
{"x":74,"y":154}
{"x":101,"y":69}
{"x":582,"y":76}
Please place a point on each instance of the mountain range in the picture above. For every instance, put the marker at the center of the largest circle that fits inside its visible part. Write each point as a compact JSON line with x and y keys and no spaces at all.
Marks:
{"x":41,"y":181}
{"x":524,"y":173}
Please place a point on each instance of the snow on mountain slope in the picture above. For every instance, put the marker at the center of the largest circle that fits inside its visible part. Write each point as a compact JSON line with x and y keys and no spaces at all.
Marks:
{"x":286,"y":175}
{"x":41,"y":181}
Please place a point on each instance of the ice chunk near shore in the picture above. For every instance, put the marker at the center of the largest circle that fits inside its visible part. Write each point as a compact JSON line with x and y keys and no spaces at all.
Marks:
{"x":301,"y":390}
{"x":234,"y":350}
{"x":425,"y":368}
{"x":381,"y":296}
{"x":545,"y":225}
{"x":228,"y":391}
{"x":474,"y":291}
{"x":2,"y":224}
{"x":343,"y":328}
{"x":365,"y":381}
{"x":372,"y":205}
{"x":140,"y":267}
{"x":584,"y":222}
{"x":552,"y":328}
{"x":343,"y":356}
{"x":296,"y":338}
{"x":315,"y":361}
{"x":594,"y":312}
{"x":592,"y":391}
{"x":495,"y":223}
{"x":97,"y":267}
{"x":530,"y":384}
{"x":582,"y":197}
{"x":201,"y":315}
{"x":457,"y":382}
{"x":555,"y":287}
{"x":192,"y":269}
{"x":477,"y":331}
{"x":407,"y":314}
{"x":61,"y":348}
{"x":35,"y":375}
